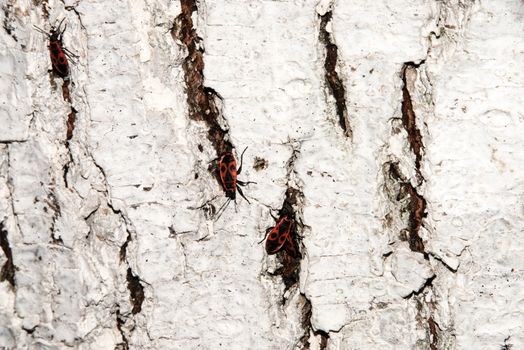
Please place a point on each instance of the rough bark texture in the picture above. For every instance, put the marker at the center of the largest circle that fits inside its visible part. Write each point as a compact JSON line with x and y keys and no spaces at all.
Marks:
{"x":390,"y":131}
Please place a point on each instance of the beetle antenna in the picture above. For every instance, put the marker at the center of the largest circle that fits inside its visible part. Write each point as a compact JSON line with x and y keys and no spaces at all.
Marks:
{"x":42,"y":31}
{"x":59,"y":25}
{"x":241,"y":160}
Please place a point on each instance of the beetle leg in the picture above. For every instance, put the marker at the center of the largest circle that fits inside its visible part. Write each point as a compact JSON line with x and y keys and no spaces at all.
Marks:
{"x":69,"y":52}
{"x":222,"y":210}
{"x":214,"y":160}
{"x":242,"y":194}
{"x":241,"y":161}
{"x":265,"y":236}
{"x":242,"y":183}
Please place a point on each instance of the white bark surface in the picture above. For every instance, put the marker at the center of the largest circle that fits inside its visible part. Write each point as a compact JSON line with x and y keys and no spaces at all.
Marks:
{"x":98,"y":217}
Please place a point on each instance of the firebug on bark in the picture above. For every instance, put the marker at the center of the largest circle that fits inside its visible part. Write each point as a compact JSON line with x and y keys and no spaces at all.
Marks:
{"x":281,"y":236}
{"x":227,"y":173}
{"x":57,"y":51}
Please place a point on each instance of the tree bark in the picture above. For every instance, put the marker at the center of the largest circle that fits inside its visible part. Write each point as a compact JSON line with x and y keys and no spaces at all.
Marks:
{"x":388,"y":133}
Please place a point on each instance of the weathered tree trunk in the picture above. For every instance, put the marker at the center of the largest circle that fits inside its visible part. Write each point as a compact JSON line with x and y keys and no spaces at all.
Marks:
{"x":390,"y":131}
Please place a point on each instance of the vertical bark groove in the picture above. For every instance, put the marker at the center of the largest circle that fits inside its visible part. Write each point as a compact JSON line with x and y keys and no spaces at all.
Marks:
{"x":409,"y":119}
{"x":202,"y":100}
{"x":7,"y":272}
{"x":308,"y":328}
{"x":334,"y":82}
{"x":416,"y":208}
{"x":136,"y":291}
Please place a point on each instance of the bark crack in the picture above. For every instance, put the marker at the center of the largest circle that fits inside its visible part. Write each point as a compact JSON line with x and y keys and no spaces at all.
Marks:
{"x":308,"y":328}
{"x":336,"y":86}
{"x":291,"y":207}
{"x":409,"y":119}
{"x":54,"y":205}
{"x":416,"y":203}
{"x":416,"y":208}
{"x":203,"y":101}
{"x":136,"y":291}
{"x":7,"y":273}
{"x":120,"y":322}
{"x":434,"y":330}
{"x":134,"y":282}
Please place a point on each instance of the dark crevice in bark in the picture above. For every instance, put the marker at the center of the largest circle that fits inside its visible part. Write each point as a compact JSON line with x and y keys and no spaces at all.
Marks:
{"x":409,"y":119}
{"x":120,"y":321}
{"x":71,"y":118}
{"x":506,"y":345}
{"x":290,"y":266}
{"x":123,"y":248}
{"x":202,"y":100}
{"x":334,"y":82}
{"x":7,"y":273}
{"x":70,"y":123}
{"x":134,"y":285}
{"x":306,"y":325}
{"x":53,"y":204}
{"x":65,"y":171}
{"x":425,"y":316}
{"x":136,"y":291}
{"x":29,"y":330}
{"x":66,"y":92}
{"x":416,"y":207}
{"x":434,"y":329}
{"x":428,"y":284}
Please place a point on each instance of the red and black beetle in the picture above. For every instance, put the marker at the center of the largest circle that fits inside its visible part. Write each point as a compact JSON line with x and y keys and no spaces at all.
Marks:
{"x":227,"y":172}
{"x":282,"y":236}
{"x":57,"y":51}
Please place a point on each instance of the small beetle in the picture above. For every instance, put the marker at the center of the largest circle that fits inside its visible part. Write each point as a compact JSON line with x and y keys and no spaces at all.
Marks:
{"x":57,"y":51}
{"x":282,"y":236}
{"x":227,"y":172}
